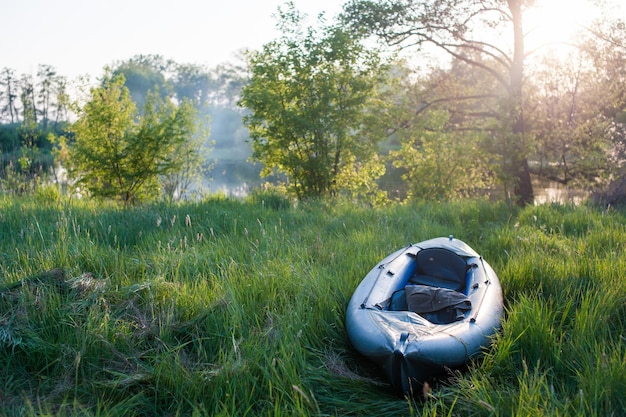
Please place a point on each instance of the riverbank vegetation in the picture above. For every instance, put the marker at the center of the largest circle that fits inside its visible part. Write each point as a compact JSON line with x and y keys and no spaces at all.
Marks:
{"x":402,"y":99}
{"x":236,"y":307}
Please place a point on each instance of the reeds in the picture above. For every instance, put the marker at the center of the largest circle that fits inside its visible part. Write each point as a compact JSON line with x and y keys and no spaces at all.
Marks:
{"x":236,"y":307}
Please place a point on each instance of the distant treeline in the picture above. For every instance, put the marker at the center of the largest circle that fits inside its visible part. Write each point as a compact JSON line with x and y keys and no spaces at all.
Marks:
{"x":33,"y":108}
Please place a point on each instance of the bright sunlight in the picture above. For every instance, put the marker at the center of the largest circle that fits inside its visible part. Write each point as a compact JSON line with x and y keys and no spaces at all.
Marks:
{"x":553,"y":25}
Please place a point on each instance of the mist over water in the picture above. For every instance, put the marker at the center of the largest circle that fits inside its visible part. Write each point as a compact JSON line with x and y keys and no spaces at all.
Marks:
{"x":554,"y":192}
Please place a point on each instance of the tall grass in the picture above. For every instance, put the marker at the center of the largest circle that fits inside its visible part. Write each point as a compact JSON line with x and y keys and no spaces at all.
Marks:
{"x":236,"y":307}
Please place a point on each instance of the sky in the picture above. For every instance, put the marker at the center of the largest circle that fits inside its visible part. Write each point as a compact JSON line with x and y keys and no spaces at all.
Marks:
{"x":81,"y":37}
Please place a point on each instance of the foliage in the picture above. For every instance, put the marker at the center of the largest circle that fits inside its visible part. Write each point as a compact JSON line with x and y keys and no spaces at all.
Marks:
{"x":213,"y":93}
{"x":441,"y":165}
{"x":9,"y":137}
{"x":205,"y":87}
{"x":31,"y":108}
{"x":143,"y":74}
{"x":606,"y":49}
{"x":25,"y":166}
{"x":29,"y":133}
{"x":574,"y":121}
{"x":561,"y":119}
{"x":356,"y":180}
{"x":115,"y":153}
{"x":470,"y":32}
{"x":192,"y":156}
{"x":44,"y":95}
{"x":309,"y":95}
{"x":8,"y":82}
{"x":231,"y":307}
{"x":13,"y":181}
{"x":46,"y":98}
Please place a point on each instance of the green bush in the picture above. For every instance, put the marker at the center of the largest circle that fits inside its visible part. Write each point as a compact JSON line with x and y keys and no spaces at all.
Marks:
{"x":47,"y":194}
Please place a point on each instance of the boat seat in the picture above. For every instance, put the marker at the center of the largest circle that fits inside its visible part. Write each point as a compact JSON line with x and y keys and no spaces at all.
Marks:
{"x":435,"y":304}
{"x":398,"y":301}
{"x":437,"y":267}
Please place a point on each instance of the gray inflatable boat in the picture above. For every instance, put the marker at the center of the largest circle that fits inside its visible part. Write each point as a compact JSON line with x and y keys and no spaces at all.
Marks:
{"x":427,"y":307}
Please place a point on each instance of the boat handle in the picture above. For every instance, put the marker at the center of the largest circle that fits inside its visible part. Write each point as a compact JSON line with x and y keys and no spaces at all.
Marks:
{"x":487,"y":282}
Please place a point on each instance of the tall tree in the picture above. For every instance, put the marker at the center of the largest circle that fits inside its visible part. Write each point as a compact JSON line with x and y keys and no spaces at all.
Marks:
{"x":466,"y":30}
{"x":309,"y":96}
{"x":8,"y":82}
{"x":46,"y":76}
{"x":117,"y":153}
{"x":27,"y":98}
{"x":46,"y":96}
{"x":62,"y":101}
{"x":29,"y":135}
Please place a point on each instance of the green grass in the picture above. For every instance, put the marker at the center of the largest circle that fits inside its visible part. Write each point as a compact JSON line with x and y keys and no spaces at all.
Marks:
{"x":236,"y":307}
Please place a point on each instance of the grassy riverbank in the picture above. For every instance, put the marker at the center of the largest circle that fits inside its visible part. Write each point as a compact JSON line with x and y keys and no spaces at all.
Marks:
{"x":230,"y":307}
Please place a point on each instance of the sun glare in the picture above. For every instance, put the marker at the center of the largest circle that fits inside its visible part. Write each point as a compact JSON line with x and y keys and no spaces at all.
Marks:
{"x":553,"y":25}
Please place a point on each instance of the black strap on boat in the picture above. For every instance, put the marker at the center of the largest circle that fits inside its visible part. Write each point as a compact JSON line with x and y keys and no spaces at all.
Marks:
{"x":399,"y":378}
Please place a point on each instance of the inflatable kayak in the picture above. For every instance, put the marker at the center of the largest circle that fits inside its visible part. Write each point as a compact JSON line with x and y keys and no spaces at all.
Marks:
{"x":424,"y":308}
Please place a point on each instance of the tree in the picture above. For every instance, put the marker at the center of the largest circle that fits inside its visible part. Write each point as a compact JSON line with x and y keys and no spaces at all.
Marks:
{"x":193,"y":82}
{"x":8,"y":82}
{"x":61,"y":104}
{"x":310,"y":95}
{"x":445,"y":121}
{"x":30,"y":135}
{"x":46,"y":96}
{"x":606,"y":47}
{"x":439,"y":164}
{"x":47,"y":76}
{"x":569,"y":120}
{"x":192,"y":158}
{"x":465,"y":30}
{"x":116,"y":153}
{"x":27,"y":97}
{"x":143,"y":73}
{"x":227,"y":80}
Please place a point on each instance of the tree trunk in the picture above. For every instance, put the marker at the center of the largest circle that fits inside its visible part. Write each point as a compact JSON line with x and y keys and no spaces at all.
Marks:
{"x":523,"y":188}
